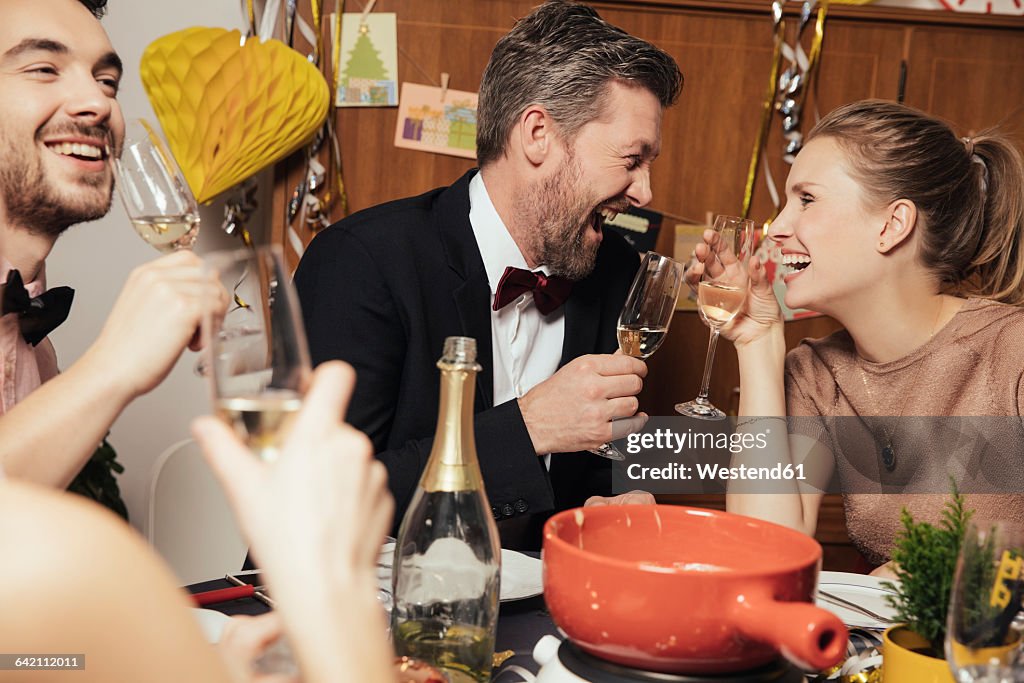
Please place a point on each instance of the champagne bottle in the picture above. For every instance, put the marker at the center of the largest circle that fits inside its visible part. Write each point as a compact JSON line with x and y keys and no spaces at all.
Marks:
{"x":448,"y":558}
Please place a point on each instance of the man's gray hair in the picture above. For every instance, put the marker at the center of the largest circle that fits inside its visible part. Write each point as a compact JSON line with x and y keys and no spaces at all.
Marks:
{"x":563,"y":57}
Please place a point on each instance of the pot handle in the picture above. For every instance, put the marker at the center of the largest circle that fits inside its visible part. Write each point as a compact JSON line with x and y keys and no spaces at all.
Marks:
{"x":806,"y":635}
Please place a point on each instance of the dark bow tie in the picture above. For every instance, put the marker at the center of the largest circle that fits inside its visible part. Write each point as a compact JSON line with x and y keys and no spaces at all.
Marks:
{"x":38,"y":316}
{"x":549,"y":291}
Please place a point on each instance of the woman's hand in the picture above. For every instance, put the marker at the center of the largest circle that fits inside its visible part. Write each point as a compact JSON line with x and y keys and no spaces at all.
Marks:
{"x":635,"y":497}
{"x":244,"y":641}
{"x":886,"y":571}
{"x":320,"y":512}
{"x":316,"y":519}
{"x":761,"y":311}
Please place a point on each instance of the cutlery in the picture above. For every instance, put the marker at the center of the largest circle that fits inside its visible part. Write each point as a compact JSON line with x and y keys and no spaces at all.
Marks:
{"x":258,"y":591}
{"x":840,"y":602}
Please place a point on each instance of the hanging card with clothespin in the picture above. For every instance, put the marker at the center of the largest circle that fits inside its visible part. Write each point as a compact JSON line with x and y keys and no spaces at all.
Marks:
{"x":368,"y":73}
{"x":439,"y":120}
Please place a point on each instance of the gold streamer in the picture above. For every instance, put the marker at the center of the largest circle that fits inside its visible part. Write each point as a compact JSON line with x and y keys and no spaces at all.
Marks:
{"x":316,"y":8}
{"x":819,"y":35}
{"x":250,"y":13}
{"x":339,"y":9}
{"x":766,"y":114}
{"x":500,"y":658}
{"x":334,"y":162}
{"x":766,"y":118}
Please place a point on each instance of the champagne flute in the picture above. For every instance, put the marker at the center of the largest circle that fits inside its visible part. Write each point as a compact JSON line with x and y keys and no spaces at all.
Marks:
{"x":257,"y":356}
{"x":720,"y":296}
{"x":646,"y":316}
{"x":154,"y":191}
{"x":981,"y":643}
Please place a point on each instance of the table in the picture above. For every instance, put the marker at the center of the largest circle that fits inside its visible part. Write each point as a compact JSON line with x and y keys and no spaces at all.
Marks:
{"x":521,"y":623}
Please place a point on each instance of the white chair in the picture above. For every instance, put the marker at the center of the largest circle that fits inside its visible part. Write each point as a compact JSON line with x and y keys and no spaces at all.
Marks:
{"x":190,"y":522}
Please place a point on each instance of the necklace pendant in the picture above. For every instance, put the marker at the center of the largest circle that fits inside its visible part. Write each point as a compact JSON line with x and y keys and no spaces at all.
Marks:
{"x":888,"y":457}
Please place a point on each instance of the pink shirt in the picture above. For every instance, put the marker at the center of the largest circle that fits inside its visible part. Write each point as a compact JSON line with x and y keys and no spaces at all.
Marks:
{"x":22,"y":367}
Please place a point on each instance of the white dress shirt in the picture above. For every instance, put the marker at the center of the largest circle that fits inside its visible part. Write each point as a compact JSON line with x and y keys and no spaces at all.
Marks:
{"x":526,"y":345}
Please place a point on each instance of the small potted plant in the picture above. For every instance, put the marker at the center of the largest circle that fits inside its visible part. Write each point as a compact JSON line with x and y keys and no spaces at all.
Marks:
{"x":925,"y":561}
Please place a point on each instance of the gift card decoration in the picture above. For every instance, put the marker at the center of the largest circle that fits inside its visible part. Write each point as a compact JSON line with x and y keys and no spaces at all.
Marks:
{"x":688,"y":236}
{"x":437,"y":120}
{"x":369,"y":60}
{"x":230,"y":107}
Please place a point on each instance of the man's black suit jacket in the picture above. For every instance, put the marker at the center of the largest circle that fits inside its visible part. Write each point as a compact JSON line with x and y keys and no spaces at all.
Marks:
{"x":384,"y":287}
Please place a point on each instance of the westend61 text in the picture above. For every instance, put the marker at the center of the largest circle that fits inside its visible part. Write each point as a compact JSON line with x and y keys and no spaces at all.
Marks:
{"x":666,"y":439}
{"x":706,"y":472}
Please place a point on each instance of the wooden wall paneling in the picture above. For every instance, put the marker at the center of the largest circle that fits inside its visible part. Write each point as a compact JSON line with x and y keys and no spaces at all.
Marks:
{"x":859,"y":60}
{"x":725,"y":62}
{"x":433,"y":37}
{"x":838,"y":555}
{"x":972,"y":77}
{"x":674,"y":373}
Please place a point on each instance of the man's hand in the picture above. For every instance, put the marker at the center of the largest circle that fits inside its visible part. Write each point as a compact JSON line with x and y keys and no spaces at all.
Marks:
{"x":632,"y":498}
{"x":154,"y":319}
{"x":573,"y":409}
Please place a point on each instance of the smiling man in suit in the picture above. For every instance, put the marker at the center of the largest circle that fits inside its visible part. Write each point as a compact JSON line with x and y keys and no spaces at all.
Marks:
{"x":514,"y":255}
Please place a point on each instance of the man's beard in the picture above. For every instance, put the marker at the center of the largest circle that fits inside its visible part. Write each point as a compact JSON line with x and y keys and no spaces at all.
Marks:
{"x":561,"y":218}
{"x":33,"y":203}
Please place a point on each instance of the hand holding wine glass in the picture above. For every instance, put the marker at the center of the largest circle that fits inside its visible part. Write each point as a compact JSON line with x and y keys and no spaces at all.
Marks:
{"x":646,"y":316}
{"x":721,"y":293}
{"x":154,"y":191}
{"x":257,"y":355}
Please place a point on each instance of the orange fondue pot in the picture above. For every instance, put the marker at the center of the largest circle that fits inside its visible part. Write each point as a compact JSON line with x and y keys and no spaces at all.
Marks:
{"x":686,"y":590}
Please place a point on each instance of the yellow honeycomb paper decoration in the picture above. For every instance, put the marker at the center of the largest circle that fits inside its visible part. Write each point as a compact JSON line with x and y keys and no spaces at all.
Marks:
{"x":229,"y":107}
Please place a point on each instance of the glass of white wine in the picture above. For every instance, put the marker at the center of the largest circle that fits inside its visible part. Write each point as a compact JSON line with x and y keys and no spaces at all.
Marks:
{"x":646,"y":316}
{"x":720,"y":296}
{"x":257,"y":359}
{"x":982,"y":641}
{"x":154,"y":191}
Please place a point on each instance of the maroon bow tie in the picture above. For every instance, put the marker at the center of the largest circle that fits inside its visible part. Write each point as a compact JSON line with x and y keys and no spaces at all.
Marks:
{"x":549,"y":291}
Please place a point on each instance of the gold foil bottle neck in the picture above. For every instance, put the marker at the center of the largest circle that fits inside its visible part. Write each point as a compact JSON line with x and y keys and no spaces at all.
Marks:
{"x":453,"y":464}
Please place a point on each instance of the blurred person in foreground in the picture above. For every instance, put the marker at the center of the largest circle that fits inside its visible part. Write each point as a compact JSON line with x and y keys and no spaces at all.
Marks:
{"x":315,"y":520}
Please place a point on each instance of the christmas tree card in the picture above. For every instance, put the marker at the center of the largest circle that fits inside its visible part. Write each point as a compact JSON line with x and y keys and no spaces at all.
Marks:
{"x":438,"y":120}
{"x":368,"y":73}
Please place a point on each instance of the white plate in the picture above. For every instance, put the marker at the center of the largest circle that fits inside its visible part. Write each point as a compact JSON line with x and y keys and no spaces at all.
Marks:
{"x":859,"y":589}
{"x":520,"y":574}
{"x":211,"y":622}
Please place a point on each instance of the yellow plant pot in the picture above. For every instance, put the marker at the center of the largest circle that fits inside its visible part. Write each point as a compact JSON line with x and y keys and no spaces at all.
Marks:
{"x":900,"y":664}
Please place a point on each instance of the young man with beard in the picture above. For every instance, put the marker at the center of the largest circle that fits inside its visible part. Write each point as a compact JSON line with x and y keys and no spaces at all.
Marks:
{"x":59,"y":121}
{"x":569,"y":121}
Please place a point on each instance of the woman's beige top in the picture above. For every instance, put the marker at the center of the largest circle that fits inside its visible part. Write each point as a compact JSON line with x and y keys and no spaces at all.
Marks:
{"x":970,"y":373}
